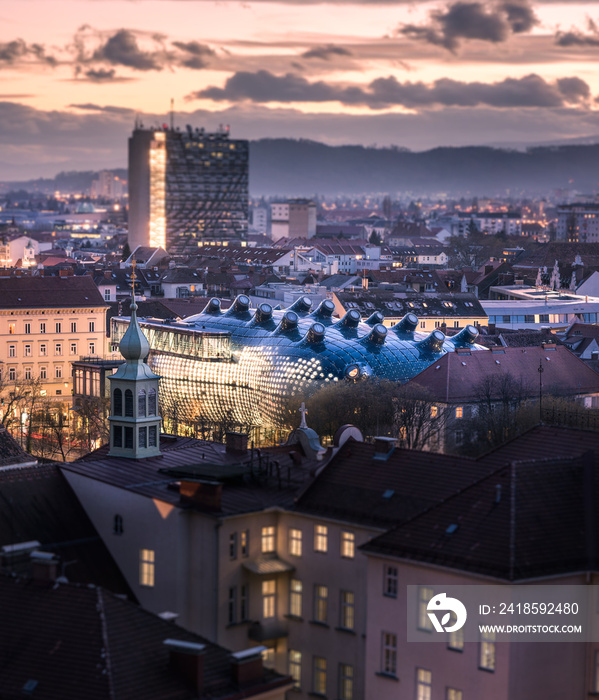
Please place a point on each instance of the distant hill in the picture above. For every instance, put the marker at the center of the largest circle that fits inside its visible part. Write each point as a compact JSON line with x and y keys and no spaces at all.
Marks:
{"x":291,"y":167}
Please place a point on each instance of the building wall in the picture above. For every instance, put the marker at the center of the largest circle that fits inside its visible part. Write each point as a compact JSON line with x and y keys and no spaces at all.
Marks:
{"x":139,"y":188}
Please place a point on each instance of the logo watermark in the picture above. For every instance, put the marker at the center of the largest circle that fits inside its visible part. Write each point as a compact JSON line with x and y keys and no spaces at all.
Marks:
{"x":442,"y":603}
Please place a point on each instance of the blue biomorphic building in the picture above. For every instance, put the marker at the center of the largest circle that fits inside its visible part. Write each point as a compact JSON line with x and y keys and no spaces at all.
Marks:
{"x":243,"y":364}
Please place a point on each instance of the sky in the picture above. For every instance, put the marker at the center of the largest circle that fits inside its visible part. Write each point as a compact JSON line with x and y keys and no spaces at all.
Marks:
{"x":75,"y":74}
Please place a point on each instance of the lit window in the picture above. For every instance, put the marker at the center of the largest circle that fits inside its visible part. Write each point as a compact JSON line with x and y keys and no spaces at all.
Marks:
{"x":295,"y":667}
{"x":391,"y":580}
{"x":146,"y":567}
{"x":233,"y":545}
{"x":295,"y":542}
{"x":11,"y":328}
{"x":453,"y":694}
{"x":459,"y":412}
{"x":434,"y":411}
{"x":424,"y":595}
{"x":348,"y":544}
{"x":389,"y":653}
{"x":245,"y":543}
{"x":347,"y":610}
{"x":455,"y":640}
{"x":346,"y":682}
{"x":269,"y":591}
{"x":295,"y":598}
{"x":319,"y":685}
{"x":487,"y":651}
{"x":321,"y":596}
{"x":321,"y":534}
{"x":424,"y":681}
{"x":268,"y":539}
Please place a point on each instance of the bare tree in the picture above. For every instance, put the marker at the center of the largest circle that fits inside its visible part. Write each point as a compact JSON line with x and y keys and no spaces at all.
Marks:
{"x":419,"y":420}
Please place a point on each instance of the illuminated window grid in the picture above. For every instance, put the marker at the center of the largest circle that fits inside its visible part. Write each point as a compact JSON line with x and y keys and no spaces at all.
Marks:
{"x":146,"y":567}
{"x":424,"y":684}
{"x":158,"y":190}
{"x":295,"y":598}
{"x":269,"y":593}
{"x":487,"y":651}
{"x":346,"y":682}
{"x":347,"y":620}
{"x":268,"y":539}
{"x":321,"y":600}
{"x":319,"y":685}
{"x":321,"y":536}
{"x":295,"y":542}
{"x":295,"y":667}
{"x":348,"y":544}
{"x":424,"y":595}
{"x":389,"y":653}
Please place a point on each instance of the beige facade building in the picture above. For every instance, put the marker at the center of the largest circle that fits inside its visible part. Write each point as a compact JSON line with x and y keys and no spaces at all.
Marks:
{"x":45,"y":324}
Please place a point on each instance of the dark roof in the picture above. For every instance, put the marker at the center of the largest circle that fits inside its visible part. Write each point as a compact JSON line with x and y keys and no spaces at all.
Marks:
{"x":11,"y":453}
{"x":250,"y":485}
{"x":564,"y":253}
{"x":37,"y":503}
{"x":357,"y":487}
{"x":527,"y":519}
{"x":443,"y":305}
{"x":528,"y":339}
{"x":49,"y":292}
{"x":79,"y":642}
{"x":458,"y":377}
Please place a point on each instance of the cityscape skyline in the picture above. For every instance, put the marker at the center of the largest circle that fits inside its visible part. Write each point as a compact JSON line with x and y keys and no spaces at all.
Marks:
{"x":415,"y":75}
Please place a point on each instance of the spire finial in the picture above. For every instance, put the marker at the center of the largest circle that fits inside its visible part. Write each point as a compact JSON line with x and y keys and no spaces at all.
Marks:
{"x":303,"y":410}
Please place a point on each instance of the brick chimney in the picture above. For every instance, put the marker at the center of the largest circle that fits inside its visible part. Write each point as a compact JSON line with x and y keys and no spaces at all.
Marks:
{"x":187,"y":658}
{"x":236,"y":442}
{"x":383,"y":447}
{"x":207,"y":494}
{"x":44,"y":566}
{"x":246,"y":666}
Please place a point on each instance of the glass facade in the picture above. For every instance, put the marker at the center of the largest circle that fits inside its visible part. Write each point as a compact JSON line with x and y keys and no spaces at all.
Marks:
{"x":243,"y":364}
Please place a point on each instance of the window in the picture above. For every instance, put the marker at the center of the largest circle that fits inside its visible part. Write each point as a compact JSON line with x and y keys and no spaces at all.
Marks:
{"x":27,"y":372}
{"x":27,"y":351}
{"x":424,"y":621}
{"x":42,"y":327}
{"x":529,"y":318}
{"x":268,"y":658}
{"x":43,"y":350}
{"x":434,"y":411}
{"x":487,"y":651}
{"x":389,"y":660}
{"x":73,"y":348}
{"x":424,"y":681}
{"x":544,"y":318}
{"x":152,"y":436}
{"x":295,"y":542}
{"x":269,"y":592}
{"x":107,"y":294}
{"x":43,"y":373}
{"x":391,"y":581}
{"x":348,"y":544}
{"x":142,"y":437}
{"x":245,"y":543}
{"x":319,"y":685}
{"x":141,"y":403}
{"x":117,"y":436}
{"x":58,"y":349}
{"x":346,"y":682}
{"x":128,"y":403}
{"x":321,"y":534}
{"x":11,"y":328}
{"x":295,"y":667}
{"x":117,"y":402}
{"x":73,"y":326}
{"x":92,"y":326}
{"x":453,"y":694}
{"x":244,"y":610}
{"x":91,"y":347}
{"x":12,"y":374}
{"x":321,"y":595}
{"x":295,"y":598}
{"x":58,"y":372}
{"x":232,"y":605}
{"x":28,"y":328}
{"x":233,"y":545}
{"x":152,"y":402}
{"x":129,"y":438}
{"x":146,"y":567}
{"x":58,"y":327}
{"x":268,"y":539}
{"x":455,"y":640}
{"x":347,"y":610}
{"x":459,"y":411}
{"x":117,"y":527}
{"x":459,"y":437}
{"x":12,"y":350}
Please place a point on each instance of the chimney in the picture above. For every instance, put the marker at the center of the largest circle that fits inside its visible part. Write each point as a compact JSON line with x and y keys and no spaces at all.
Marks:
{"x":236,"y":442}
{"x":44,"y":566}
{"x":383,"y":447}
{"x":491,"y":328}
{"x":246,"y":666}
{"x":207,"y":494}
{"x":187,"y":658}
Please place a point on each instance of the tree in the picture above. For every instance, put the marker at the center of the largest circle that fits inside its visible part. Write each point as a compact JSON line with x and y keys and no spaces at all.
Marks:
{"x":126,"y":252}
{"x":419,"y":420}
{"x":375,"y":238}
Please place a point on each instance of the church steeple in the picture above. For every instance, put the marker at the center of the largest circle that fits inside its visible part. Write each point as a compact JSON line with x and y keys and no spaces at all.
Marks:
{"x":134,"y":419}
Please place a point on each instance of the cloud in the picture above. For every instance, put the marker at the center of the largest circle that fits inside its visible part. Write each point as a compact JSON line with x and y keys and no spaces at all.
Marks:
{"x":575,"y":37}
{"x":326,"y":52}
{"x":122,"y":49}
{"x":198,"y":55}
{"x":382,"y":93}
{"x":90,"y":107}
{"x":468,"y":19}
{"x":12,"y":52}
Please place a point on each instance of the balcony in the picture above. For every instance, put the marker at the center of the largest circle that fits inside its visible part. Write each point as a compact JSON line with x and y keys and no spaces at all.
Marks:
{"x":268,"y":630}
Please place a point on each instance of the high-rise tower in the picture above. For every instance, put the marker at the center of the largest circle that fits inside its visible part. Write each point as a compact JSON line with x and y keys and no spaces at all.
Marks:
{"x":186,"y":188}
